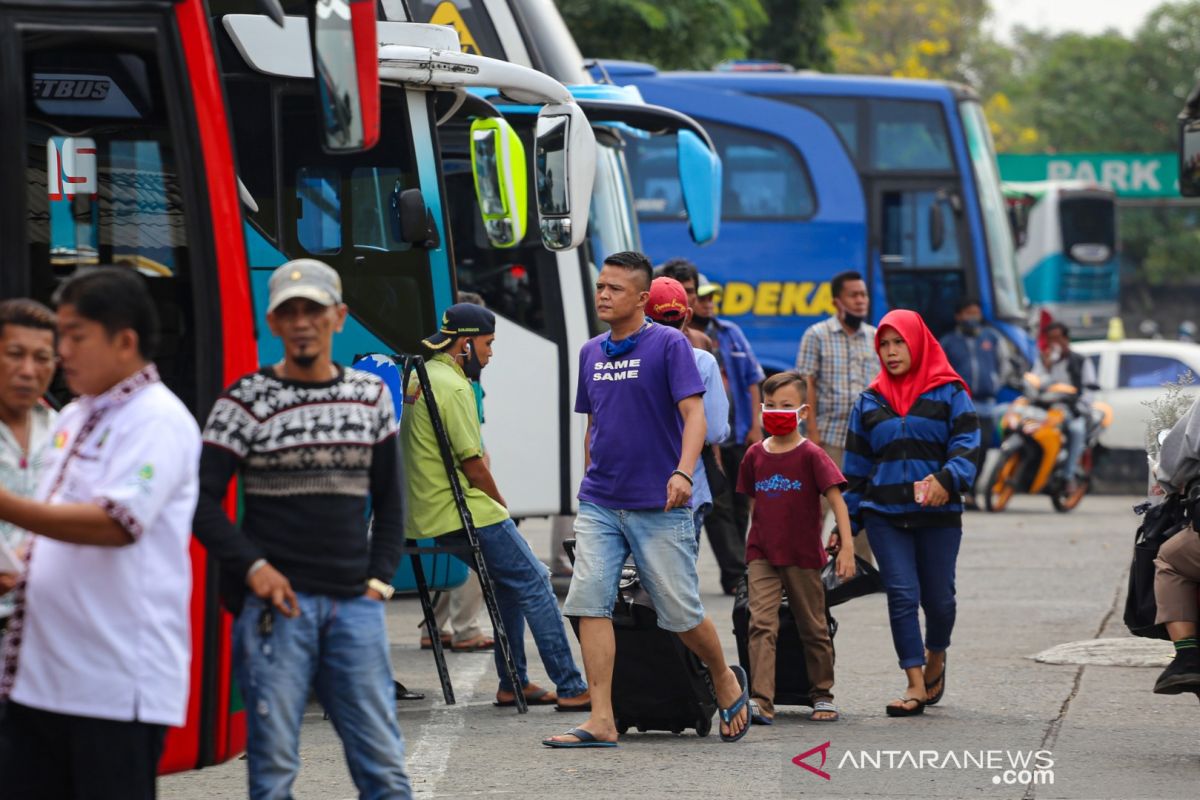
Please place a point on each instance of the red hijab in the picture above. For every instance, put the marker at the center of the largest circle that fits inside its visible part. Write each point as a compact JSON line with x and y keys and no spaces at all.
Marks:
{"x":930,"y":367}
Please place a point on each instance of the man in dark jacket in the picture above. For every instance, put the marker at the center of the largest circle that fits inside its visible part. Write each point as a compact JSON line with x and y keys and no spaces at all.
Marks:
{"x":974,"y":352}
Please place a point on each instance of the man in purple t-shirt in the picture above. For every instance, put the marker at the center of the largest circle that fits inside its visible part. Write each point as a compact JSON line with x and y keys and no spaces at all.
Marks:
{"x":642,"y":392}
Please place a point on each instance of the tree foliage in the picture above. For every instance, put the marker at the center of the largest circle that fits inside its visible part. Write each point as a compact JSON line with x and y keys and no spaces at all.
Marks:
{"x":796,"y":33}
{"x":675,"y":34}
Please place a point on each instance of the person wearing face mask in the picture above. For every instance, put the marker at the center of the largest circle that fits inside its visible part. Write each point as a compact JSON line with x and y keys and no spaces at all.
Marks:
{"x":461,"y":348}
{"x":1058,"y":364}
{"x":974,"y":352}
{"x":915,"y":420}
{"x":786,"y":476}
{"x":838,"y":361}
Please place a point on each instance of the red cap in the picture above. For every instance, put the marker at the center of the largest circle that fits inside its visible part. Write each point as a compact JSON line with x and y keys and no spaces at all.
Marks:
{"x":668,"y":300}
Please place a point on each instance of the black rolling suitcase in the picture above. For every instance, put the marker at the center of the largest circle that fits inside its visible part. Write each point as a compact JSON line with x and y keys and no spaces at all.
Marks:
{"x":658,"y":684}
{"x":792,"y":686}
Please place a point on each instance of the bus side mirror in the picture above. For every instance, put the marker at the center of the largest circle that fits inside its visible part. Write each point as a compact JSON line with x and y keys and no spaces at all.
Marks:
{"x":411,"y":221}
{"x":937,"y":225}
{"x":1189,"y":155}
{"x":345,"y":54}
{"x":700,"y":179}
{"x":498,"y":165}
{"x":565,"y":169}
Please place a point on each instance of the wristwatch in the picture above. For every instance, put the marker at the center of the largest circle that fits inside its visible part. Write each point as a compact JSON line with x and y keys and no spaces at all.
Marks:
{"x":386,"y":590}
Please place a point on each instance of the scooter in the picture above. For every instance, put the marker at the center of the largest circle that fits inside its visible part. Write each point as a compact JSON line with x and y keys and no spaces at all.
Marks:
{"x":1033,"y":450}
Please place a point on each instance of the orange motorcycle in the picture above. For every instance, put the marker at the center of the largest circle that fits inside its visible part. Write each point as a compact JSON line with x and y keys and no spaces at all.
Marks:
{"x":1033,"y":450}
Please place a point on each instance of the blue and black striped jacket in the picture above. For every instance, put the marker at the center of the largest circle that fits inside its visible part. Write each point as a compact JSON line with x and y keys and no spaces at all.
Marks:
{"x":887,"y":453}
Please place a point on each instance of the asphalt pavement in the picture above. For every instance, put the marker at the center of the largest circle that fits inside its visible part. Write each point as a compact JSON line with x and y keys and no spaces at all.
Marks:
{"x":1010,"y":726}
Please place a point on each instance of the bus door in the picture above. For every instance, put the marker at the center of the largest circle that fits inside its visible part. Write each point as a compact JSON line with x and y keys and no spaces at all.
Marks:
{"x":918,"y":247}
{"x":119,"y":154}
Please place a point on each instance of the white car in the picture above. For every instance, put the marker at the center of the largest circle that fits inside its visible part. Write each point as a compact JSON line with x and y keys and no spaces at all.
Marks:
{"x":1131,"y":372}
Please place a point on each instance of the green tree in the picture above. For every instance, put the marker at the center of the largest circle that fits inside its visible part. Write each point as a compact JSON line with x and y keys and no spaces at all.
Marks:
{"x":674,"y":34}
{"x":796,"y":33}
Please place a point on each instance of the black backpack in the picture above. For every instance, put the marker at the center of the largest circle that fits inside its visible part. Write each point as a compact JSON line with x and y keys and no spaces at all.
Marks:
{"x":1169,"y":518}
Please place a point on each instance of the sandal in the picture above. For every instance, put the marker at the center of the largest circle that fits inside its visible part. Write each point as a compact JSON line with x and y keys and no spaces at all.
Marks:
{"x":904,"y":711}
{"x":757,"y":717}
{"x":475,"y":645}
{"x":427,"y":643}
{"x":585,"y":738}
{"x":580,"y":702}
{"x":534,"y":696}
{"x":728,"y":715}
{"x":936,"y":698}
{"x":824,"y":707}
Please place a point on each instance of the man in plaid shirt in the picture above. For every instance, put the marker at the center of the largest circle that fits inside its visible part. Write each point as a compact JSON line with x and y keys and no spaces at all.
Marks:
{"x":837,"y":359}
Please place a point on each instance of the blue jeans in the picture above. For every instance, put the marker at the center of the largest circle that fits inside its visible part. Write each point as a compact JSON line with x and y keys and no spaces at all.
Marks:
{"x":698,"y":514}
{"x":339,"y":645}
{"x":524,"y":594}
{"x":1076,"y":440}
{"x":663,"y":544}
{"x":917,"y":567}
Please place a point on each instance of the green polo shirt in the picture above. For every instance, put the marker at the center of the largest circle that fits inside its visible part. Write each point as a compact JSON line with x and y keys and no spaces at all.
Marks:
{"x":431,"y":510}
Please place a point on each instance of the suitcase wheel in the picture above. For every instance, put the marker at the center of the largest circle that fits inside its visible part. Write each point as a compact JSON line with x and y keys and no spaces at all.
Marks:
{"x":704,"y":726}
{"x":622,"y":729}
{"x":676,"y":731}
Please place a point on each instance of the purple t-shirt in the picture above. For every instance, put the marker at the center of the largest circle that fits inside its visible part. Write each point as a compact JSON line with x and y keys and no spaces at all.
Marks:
{"x":637,"y":430}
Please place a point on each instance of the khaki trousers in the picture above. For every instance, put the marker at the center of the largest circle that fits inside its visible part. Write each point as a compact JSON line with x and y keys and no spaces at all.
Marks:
{"x":463,"y":609}
{"x":1177,"y":578}
{"x":806,"y":597}
{"x":862,"y":548}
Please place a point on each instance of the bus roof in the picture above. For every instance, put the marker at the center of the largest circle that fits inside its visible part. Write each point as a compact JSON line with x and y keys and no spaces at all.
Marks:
{"x":805,"y":82}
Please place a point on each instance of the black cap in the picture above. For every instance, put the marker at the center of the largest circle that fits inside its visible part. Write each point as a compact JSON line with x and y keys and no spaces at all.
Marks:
{"x":463,"y":319}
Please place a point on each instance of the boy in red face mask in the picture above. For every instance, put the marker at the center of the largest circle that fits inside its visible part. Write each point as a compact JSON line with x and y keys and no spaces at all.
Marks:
{"x":785,"y":476}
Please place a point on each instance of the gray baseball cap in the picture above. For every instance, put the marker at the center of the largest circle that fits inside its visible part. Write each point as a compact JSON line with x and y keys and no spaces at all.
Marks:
{"x":307,"y":278}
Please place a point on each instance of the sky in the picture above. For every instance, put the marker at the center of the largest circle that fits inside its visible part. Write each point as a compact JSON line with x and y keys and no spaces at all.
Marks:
{"x":1085,"y":16}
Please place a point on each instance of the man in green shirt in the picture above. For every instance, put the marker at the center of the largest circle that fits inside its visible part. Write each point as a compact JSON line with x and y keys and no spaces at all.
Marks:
{"x":462,"y":348}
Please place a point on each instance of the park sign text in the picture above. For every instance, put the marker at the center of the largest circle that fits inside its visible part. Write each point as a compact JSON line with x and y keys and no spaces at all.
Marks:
{"x":1127,"y":174}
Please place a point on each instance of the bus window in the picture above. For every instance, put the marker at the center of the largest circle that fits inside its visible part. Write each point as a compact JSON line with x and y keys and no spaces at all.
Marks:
{"x":1089,"y":231}
{"x":469,"y":17}
{"x":103,"y":184}
{"x":654,"y":171}
{"x":908,"y":136}
{"x":611,"y":226}
{"x":841,"y":113}
{"x":319,"y":223}
{"x":764,"y":177}
{"x":906,"y":238}
{"x":387,"y":285}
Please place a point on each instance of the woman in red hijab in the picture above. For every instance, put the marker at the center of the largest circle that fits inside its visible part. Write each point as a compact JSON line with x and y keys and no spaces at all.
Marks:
{"x":910,"y":455}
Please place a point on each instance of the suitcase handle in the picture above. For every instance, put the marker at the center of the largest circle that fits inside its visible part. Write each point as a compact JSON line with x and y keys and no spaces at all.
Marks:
{"x":569,"y":547}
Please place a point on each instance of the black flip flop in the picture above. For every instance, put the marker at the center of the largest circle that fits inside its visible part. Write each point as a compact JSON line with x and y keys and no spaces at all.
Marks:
{"x":935,"y":699}
{"x":901,"y":711}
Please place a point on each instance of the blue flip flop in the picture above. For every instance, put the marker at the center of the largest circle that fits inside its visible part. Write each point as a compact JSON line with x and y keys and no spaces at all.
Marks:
{"x":729,"y":714}
{"x":585,"y":740}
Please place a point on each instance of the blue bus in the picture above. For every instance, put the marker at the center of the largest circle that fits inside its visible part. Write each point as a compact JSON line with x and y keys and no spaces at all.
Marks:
{"x":895,"y":178}
{"x":1067,"y":251}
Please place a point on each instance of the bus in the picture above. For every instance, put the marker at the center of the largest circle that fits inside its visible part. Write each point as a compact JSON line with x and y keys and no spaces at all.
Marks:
{"x":1067,"y":251}
{"x":544,"y":300}
{"x":894,"y":178}
{"x":203,"y":143}
{"x":123,"y":156}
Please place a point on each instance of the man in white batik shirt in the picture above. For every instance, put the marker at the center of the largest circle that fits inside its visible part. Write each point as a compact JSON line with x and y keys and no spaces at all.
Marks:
{"x":98,"y":651}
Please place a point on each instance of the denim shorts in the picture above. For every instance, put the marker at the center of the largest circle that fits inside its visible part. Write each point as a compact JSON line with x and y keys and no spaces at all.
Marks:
{"x":663,"y":545}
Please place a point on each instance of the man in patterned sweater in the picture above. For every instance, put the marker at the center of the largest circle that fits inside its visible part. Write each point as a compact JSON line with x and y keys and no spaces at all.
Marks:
{"x":315,"y":446}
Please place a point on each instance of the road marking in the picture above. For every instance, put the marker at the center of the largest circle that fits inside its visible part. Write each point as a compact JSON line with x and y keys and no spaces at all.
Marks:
{"x":427,"y":762}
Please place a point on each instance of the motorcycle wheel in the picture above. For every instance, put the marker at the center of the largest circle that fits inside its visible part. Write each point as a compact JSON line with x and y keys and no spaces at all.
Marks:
{"x":999,"y":483}
{"x":1064,"y":502}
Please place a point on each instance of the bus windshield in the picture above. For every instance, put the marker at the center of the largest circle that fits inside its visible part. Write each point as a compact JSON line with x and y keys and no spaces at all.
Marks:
{"x":341,"y":209}
{"x":1006,"y":283}
{"x":612,"y":227}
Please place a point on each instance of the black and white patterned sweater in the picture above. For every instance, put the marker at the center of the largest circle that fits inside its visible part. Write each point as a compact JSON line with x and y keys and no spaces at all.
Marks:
{"x":313,"y":459}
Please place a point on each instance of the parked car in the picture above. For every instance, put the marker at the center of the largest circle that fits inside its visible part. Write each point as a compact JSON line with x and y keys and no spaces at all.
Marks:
{"x":1131,"y":372}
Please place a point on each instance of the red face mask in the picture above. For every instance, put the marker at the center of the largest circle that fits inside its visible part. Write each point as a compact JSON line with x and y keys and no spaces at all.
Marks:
{"x":780,"y":421}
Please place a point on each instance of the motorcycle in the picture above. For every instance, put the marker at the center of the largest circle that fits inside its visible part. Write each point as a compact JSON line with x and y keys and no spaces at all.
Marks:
{"x":1033,"y":450}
